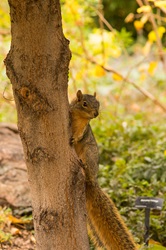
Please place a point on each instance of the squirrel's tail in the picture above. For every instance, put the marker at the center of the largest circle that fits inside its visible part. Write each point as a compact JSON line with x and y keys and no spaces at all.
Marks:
{"x":106,"y":220}
{"x":94,"y":236}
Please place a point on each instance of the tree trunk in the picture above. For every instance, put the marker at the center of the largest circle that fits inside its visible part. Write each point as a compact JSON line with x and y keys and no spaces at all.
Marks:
{"x":37,"y":66}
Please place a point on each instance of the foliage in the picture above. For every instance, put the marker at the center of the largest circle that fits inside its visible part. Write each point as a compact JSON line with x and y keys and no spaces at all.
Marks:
{"x":150,"y":17}
{"x":95,"y":49}
{"x":132,"y":164}
{"x":5,"y":235}
{"x":10,"y":226}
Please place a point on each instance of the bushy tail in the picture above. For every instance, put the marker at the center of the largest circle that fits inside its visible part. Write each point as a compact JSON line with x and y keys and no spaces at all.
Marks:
{"x":106,"y":220}
{"x":94,"y":236}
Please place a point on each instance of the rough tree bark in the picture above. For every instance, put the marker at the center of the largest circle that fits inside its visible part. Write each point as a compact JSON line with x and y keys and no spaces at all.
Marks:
{"x":37,"y":65}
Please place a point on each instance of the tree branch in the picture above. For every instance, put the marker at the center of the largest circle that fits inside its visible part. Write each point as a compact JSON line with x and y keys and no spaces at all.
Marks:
{"x":126,"y":79}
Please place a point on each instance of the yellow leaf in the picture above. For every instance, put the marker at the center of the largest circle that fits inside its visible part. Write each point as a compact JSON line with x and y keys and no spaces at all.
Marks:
{"x":152,"y":35}
{"x":165,"y":152}
{"x":144,"y":8}
{"x":15,"y":220}
{"x":129,"y":18}
{"x":117,"y":77}
{"x":99,"y":71}
{"x":138,"y":25}
{"x":151,"y":241}
{"x":152,"y":67}
{"x":161,"y":4}
{"x":161,"y":31}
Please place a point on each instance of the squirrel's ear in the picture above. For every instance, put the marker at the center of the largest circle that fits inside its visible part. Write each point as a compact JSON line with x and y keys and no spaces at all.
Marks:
{"x":79,"y":95}
{"x":94,"y":94}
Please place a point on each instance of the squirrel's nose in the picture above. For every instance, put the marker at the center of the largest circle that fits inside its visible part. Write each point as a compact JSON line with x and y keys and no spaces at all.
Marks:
{"x":96,"y":113}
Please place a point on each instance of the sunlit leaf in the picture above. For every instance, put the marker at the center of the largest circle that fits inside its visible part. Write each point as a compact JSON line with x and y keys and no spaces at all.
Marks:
{"x":117,"y":77}
{"x":152,"y":67}
{"x":105,"y":42}
{"x":151,"y":241}
{"x":138,"y":25}
{"x":152,"y":35}
{"x":15,"y":220}
{"x":160,"y":4}
{"x":161,"y":31}
{"x":156,"y":247}
{"x":144,"y":8}
{"x":99,"y":71}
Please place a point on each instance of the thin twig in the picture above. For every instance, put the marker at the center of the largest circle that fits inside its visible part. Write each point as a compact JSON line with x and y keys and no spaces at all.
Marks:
{"x":160,"y":18}
{"x":163,"y":10}
{"x":140,"y":3}
{"x":135,"y":66}
{"x":104,"y":20}
{"x":3,"y":94}
{"x":114,"y":31}
{"x":126,"y":79}
{"x":128,"y":74}
{"x":158,"y":39}
{"x":101,"y":23}
{"x":4,"y":32}
{"x":140,"y":89}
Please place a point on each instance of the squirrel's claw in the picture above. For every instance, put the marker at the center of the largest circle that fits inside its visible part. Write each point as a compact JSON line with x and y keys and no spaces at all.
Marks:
{"x":72,"y":141}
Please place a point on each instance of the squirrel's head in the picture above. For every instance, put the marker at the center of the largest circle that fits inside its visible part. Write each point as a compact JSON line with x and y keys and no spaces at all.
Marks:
{"x":88,"y":105}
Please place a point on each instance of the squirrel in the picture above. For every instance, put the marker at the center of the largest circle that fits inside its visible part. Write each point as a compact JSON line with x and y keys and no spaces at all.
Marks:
{"x":107,"y":229}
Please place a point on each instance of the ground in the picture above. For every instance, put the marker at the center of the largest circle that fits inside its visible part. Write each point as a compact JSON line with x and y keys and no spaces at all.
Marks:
{"x":24,"y":241}
{"x":16,"y":225}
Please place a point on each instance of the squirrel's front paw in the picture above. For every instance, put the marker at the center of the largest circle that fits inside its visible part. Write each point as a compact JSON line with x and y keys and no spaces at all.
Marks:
{"x":72,"y":140}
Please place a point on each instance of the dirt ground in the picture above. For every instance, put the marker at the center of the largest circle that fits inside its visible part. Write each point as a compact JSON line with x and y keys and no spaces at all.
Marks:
{"x":24,"y":241}
{"x":14,"y":193}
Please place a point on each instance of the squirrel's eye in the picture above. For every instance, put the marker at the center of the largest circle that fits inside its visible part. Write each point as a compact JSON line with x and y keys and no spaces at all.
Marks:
{"x":84,"y":104}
